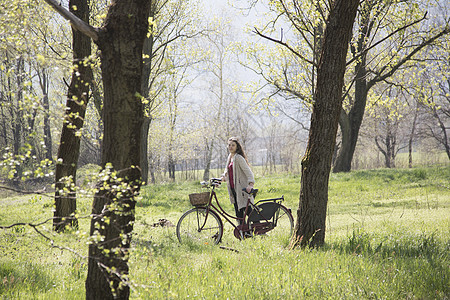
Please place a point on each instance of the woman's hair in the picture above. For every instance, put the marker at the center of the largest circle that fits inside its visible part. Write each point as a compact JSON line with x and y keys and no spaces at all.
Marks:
{"x":239,"y":149}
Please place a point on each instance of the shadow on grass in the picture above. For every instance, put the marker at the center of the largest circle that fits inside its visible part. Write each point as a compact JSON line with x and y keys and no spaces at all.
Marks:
{"x":398,"y":244}
{"x":406,"y":204}
{"x":169,"y":248}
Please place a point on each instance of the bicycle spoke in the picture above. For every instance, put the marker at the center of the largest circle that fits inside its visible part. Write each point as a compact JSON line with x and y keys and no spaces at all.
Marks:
{"x":198,"y":226}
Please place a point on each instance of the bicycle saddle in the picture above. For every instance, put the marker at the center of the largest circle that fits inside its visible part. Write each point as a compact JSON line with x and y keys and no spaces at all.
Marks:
{"x":253,"y":192}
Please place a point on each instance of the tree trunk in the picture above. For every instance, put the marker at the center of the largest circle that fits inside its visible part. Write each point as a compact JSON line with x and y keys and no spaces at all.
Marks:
{"x":316,"y":164}
{"x":412,"y":135}
{"x":444,"y":141}
{"x":209,"y":149}
{"x":388,"y":156}
{"x":171,"y":166}
{"x":47,"y":132}
{"x":351,"y":123}
{"x":121,"y":42}
{"x":145,"y":87}
{"x":4,"y":131}
{"x":144,"y":148}
{"x":19,"y":121}
{"x":69,"y":147}
{"x":152,"y":168}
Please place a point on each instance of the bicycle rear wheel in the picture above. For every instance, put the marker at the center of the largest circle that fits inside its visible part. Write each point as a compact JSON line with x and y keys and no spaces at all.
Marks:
{"x":284,"y":223}
{"x":192,"y":228}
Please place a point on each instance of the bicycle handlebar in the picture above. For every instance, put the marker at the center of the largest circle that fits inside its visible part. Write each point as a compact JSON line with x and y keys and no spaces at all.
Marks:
{"x":217,"y":181}
{"x":253,"y":192}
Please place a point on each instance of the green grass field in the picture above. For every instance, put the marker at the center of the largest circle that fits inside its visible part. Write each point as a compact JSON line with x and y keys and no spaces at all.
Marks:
{"x":388,"y":237}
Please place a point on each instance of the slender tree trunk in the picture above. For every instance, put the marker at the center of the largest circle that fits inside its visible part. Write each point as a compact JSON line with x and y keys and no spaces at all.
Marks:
{"x":47,"y":132}
{"x":152,"y":168}
{"x":145,"y":86}
{"x":316,"y":164}
{"x":97,"y":99}
{"x":144,"y":148}
{"x":171,"y":166}
{"x":388,"y":151}
{"x":411,"y":136}
{"x":351,"y":123}
{"x":4,"y":131}
{"x":444,"y":141}
{"x":19,"y":120}
{"x":69,"y":146}
{"x":209,"y":149}
{"x":121,"y":42}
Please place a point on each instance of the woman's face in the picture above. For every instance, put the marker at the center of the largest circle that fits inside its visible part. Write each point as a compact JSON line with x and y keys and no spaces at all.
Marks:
{"x":232,"y":147}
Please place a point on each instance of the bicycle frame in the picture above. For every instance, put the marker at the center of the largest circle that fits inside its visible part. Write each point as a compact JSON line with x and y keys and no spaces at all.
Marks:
{"x":245,"y":227}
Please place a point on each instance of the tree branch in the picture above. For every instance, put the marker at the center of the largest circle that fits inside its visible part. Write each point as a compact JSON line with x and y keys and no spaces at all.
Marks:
{"x":285,"y":45}
{"x":76,"y":22}
{"x":42,"y":192}
{"x":385,"y":38}
{"x":394,"y":68}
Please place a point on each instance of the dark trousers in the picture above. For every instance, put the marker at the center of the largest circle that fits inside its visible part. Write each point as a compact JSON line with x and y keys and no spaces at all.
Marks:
{"x":239,"y":212}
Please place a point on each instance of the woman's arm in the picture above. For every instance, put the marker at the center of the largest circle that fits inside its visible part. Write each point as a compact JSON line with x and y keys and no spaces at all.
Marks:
{"x":242,"y":163}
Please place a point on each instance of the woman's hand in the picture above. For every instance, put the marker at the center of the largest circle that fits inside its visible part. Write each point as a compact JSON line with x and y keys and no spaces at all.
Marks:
{"x":249,"y":187}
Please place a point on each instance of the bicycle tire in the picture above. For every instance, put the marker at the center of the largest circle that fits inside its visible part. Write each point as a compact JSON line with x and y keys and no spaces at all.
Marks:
{"x":284,"y":223}
{"x":189,"y":227}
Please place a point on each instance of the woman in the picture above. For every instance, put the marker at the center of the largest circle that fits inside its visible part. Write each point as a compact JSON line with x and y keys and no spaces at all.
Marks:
{"x":239,"y":176}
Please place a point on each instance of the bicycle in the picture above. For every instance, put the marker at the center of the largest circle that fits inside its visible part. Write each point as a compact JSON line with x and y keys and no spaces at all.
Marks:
{"x":203,"y":223}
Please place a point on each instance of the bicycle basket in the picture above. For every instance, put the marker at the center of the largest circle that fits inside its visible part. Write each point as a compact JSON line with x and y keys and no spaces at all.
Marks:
{"x":199,"y":198}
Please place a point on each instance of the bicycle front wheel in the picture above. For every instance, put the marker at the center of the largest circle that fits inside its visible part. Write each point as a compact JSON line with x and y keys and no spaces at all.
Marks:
{"x":196,"y":226}
{"x":284,"y":224}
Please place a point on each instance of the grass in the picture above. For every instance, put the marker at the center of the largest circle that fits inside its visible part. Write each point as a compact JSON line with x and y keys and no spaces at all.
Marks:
{"x":388,"y":237}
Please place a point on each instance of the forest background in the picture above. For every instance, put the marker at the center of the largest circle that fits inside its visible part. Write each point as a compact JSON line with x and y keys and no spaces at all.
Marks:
{"x":214,"y":75}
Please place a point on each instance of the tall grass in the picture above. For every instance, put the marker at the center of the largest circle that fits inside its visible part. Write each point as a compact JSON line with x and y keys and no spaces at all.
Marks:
{"x":388,"y":237}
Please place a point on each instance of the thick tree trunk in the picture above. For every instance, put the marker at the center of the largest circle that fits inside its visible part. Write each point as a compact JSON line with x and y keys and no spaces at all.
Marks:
{"x":121,"y":42}
{"x":316,"y":164}
{"x":69,"y":147}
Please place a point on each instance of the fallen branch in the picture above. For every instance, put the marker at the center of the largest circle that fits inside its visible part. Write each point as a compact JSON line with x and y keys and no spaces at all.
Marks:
{"x":227,"y":248}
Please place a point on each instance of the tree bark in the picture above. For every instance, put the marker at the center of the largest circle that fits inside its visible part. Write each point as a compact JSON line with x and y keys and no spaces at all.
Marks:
{"x":350,"y":123}
{"x":316,"y":164}
{"x":121,"y":42}
{"x":69,"y":147}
